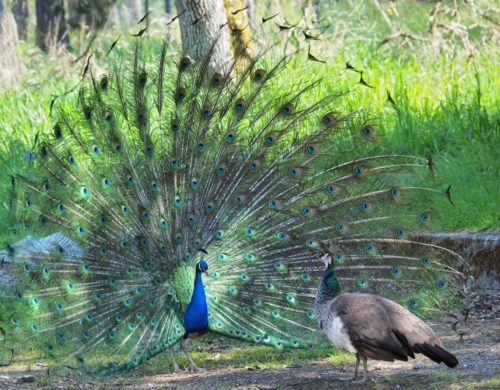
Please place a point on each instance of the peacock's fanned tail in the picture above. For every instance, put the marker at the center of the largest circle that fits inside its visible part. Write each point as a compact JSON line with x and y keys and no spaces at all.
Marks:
{"x":154,"y":161}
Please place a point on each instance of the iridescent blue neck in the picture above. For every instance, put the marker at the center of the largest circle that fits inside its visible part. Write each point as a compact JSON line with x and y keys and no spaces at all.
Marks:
{"x":196,"y":316}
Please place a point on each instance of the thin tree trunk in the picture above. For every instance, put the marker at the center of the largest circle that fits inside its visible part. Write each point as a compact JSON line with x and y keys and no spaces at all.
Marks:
{"x":50,"y":23}
{"x":135,"y":10}
{"x":201,"y":24}
{"x":20,"y":12}
{"x":239,"y":32}
{"x":168,"y":7}
{"x":2,"y":7}
{"x":94,"y":13}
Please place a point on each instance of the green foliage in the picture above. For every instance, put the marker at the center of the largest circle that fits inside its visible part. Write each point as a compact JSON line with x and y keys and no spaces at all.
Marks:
{"x":447,"y":108}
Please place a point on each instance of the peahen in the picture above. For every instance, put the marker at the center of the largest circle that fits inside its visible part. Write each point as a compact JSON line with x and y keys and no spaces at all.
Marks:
{"x":162,"y":170}
{"x":372,"y":326}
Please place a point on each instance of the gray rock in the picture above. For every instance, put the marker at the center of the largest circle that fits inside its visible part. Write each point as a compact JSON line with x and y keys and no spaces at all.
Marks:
{"x":29,"y":247}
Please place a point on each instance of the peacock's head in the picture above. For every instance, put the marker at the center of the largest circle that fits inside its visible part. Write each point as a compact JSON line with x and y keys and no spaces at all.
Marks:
{"x":325,"y":257}
{"x":202,"y":266}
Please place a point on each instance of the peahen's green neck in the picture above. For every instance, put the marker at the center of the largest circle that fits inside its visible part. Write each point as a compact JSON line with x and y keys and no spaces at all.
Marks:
{"x":329,"y":287}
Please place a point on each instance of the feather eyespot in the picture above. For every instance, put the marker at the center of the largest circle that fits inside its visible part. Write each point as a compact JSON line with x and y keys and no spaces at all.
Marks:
{"x":395,"y":192}
{"x":108,"y":116}
{"x":331,"y":188}
{"x":270,"y":139}
{"x":217,"y":79}
{"x":254,"y":165}
{"x":143,"y":77}
{"x":357,"y":171}
{"x":329,"y":119}
{"x":140,"y":115}
{"x":312,"y":149}
{"x":367,"y":131}
{"x":396,"y":272}
{"x":365,"y":206}
{"x":294,"y":172}
{"x":181,"y":93}
{"x":230,"y":136}
{"x":174,"y":125}
{"x":426,"y":216}
{"x":104,"y":82}
{"x":259,"y":74}
{"x":57,"y":131}
{"x":185,"y":62}
{"x":240,"y":104}
{"x":239,"y":199}
{"x":88,"y":113}
{"x":194,"y":184}
{"x":287,"y":109}
{"x":206,"y":111}
{"x":221,"y":169}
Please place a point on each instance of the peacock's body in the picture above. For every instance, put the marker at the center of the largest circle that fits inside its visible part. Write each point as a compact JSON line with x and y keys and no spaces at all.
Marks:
{"x":161,"y":167}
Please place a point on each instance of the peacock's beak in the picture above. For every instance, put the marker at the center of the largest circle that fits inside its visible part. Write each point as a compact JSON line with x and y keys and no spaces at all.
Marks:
{"x":206,"y":272}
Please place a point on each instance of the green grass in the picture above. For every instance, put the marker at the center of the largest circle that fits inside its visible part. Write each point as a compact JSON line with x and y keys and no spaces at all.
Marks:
{"x":448,"y":107}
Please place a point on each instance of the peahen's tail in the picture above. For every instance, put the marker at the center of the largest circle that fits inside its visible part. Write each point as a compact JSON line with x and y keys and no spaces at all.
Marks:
{"x":156,"y":160}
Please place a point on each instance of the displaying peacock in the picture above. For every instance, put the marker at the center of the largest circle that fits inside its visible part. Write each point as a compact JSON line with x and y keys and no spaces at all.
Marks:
{"x":163,"y":170}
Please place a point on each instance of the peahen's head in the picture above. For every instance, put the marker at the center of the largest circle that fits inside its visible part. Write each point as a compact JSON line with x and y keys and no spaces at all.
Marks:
{"x":202,"y":266}
{"x":325,"y":257}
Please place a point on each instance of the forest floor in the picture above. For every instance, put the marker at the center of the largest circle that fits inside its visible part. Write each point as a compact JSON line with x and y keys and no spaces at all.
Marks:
{"x":235,"y":365}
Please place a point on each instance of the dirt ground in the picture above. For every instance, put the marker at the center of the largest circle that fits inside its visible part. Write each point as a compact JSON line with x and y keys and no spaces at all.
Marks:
{"x":476,"y":343}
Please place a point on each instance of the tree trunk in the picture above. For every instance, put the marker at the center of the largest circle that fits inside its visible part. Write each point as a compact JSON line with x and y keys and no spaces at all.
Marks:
{"x":168,"y":7}
{"x":20,"y":12}
{"x":93,"y":13}
{"x":135,"y":10}
{"x":2,"y":7}
{"x":50,"y":23}
{"x":239,"y":31}
{"x":201,"y":27}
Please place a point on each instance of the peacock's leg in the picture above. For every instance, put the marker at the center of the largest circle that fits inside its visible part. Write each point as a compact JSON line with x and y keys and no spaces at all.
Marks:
{"x":176,"y":367}
{"x":192,"y":366}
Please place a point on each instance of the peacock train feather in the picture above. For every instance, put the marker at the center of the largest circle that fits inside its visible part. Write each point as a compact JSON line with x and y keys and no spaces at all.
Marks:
{"x":158,"y":165}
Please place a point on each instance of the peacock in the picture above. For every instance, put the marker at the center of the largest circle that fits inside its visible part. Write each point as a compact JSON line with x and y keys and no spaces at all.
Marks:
{"x":193,"y":200}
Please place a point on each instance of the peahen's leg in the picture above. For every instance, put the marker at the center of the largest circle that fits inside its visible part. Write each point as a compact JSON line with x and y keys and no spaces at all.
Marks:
{"x":351,"y":378}
{"x":176,"y":367}
{"x":192,"y":367}
{"x":365,"y":367}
